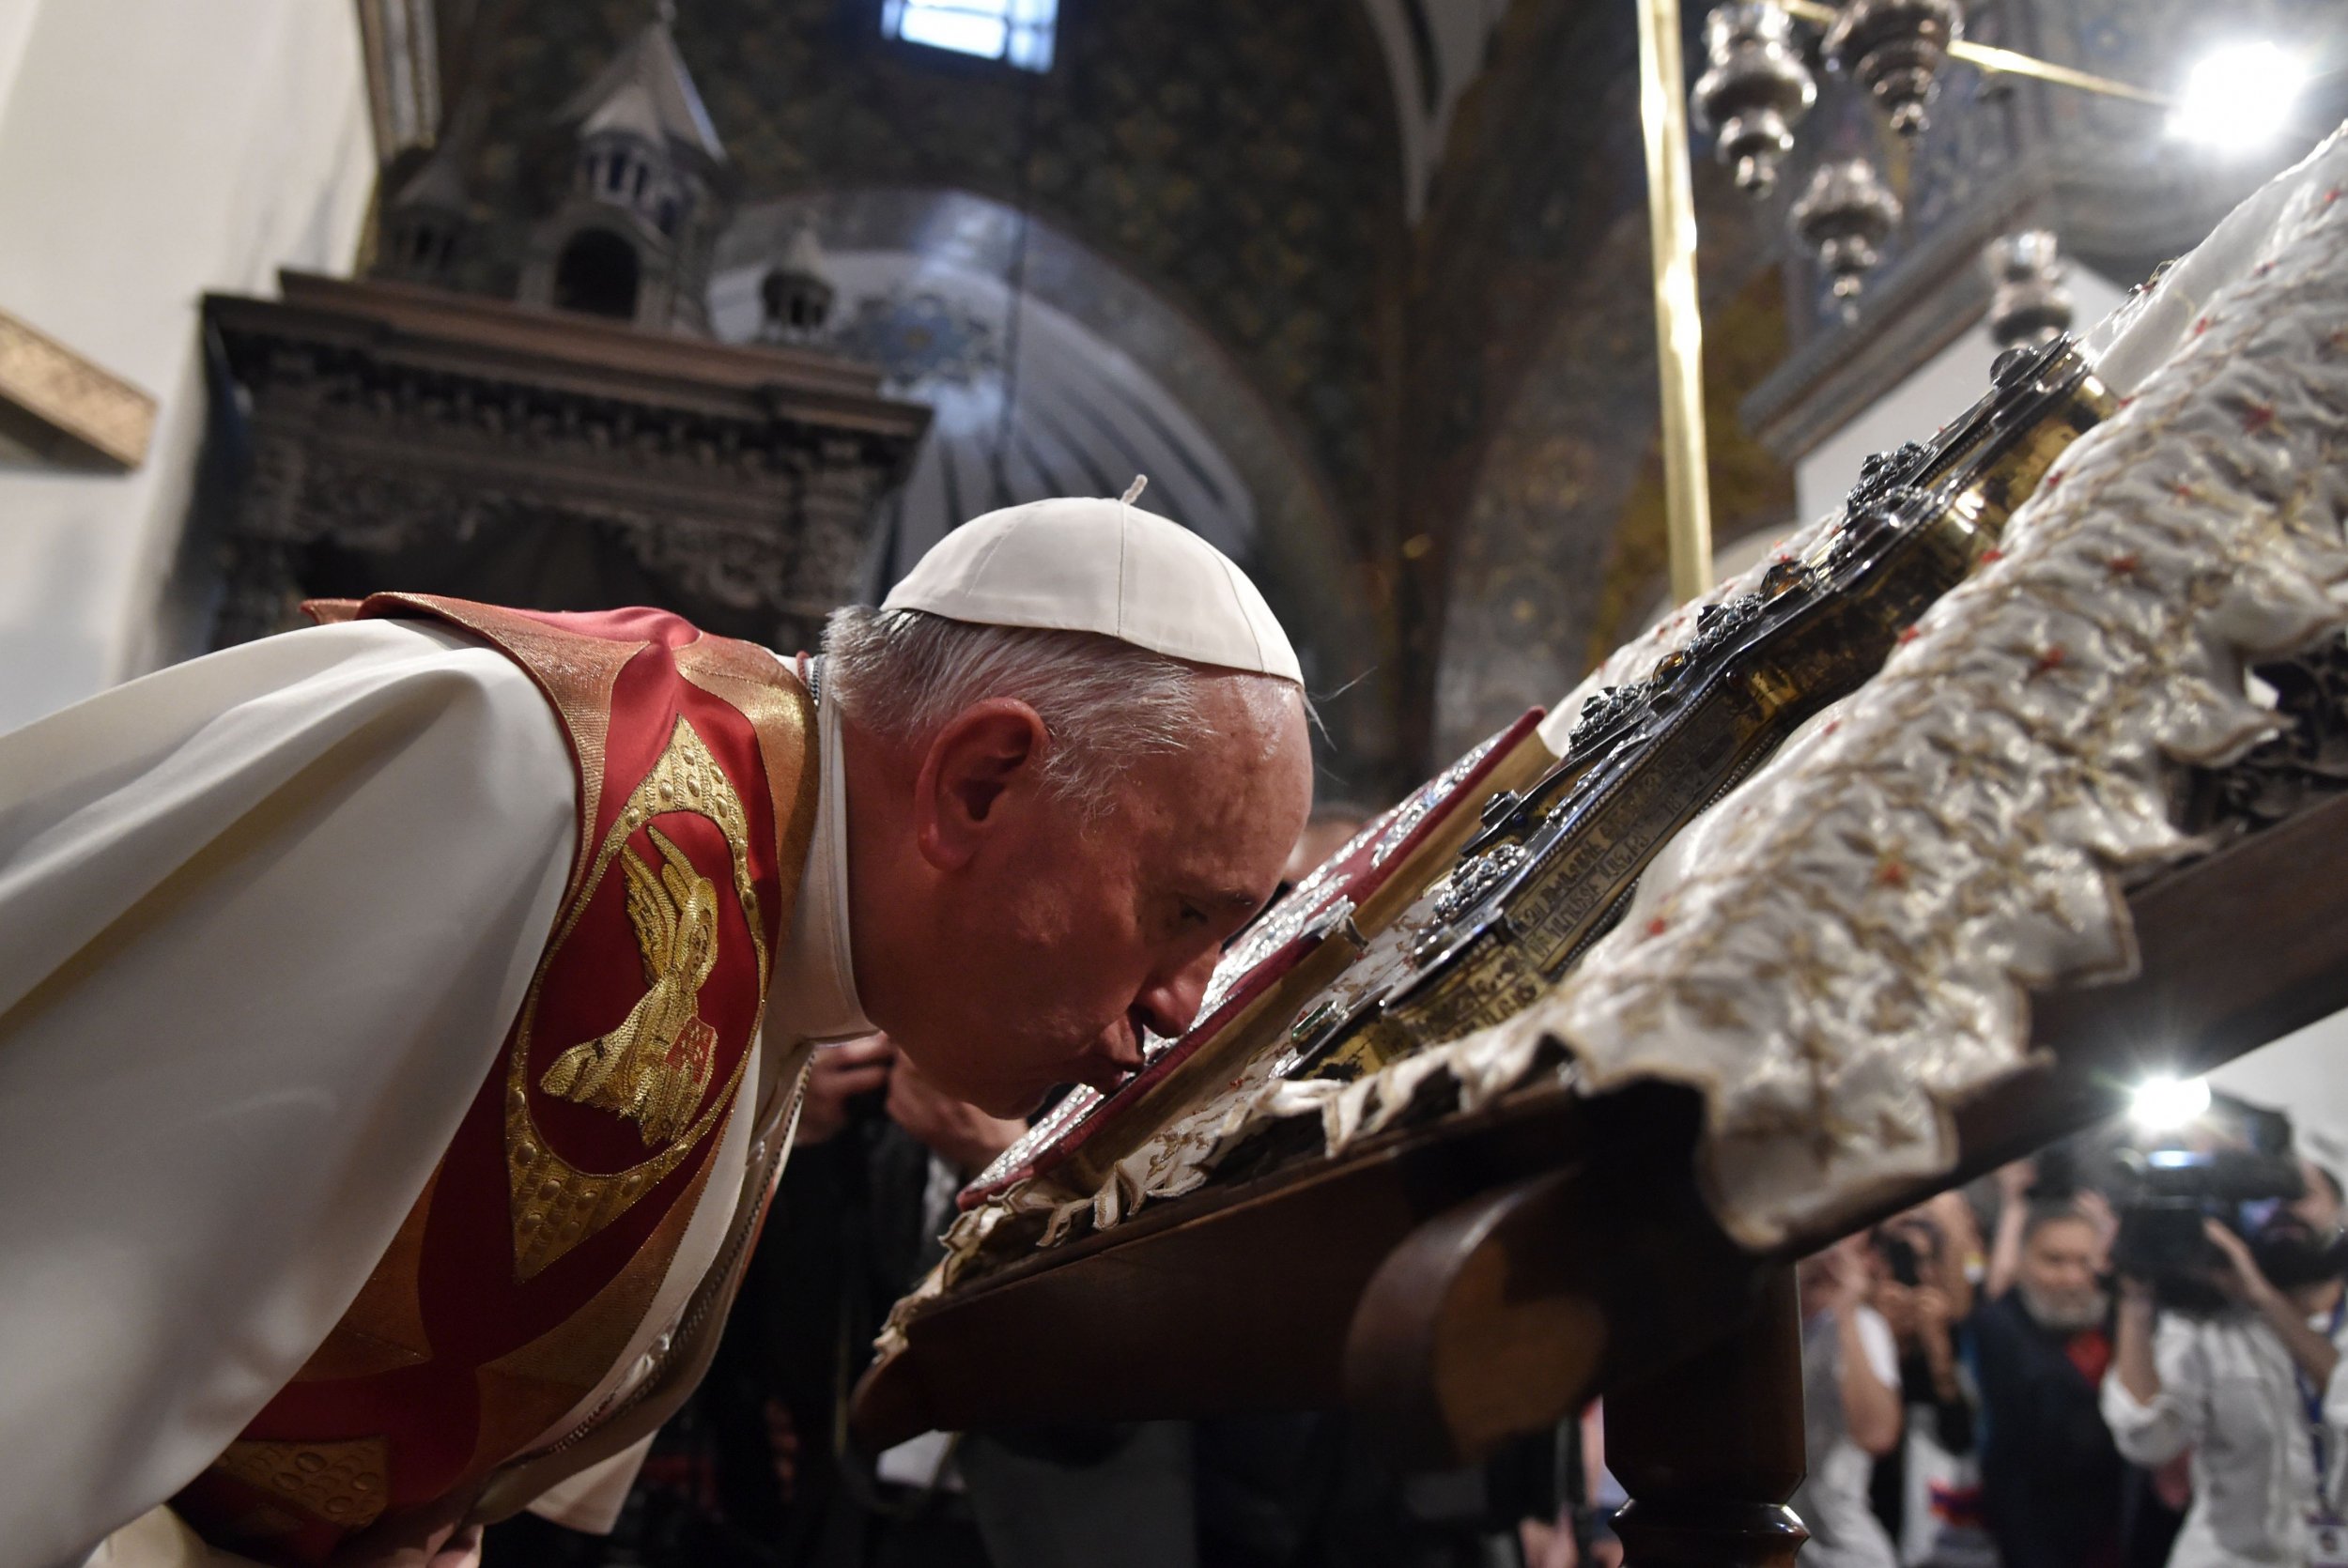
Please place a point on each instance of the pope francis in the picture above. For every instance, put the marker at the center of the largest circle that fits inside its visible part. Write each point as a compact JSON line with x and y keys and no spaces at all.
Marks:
{"x":401,"y":1020}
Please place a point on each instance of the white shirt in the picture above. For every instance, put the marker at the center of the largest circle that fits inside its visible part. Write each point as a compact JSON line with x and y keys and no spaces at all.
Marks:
{"x":2229,"y":1392}
{"x":820,"y":1002}
{"x":265,"y":920}
{"x":1833,"y":1500}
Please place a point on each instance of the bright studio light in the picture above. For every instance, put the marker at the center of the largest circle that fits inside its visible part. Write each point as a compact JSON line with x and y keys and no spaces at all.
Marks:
{"x":2239,"y":96}
{"x":2164,"y":1104}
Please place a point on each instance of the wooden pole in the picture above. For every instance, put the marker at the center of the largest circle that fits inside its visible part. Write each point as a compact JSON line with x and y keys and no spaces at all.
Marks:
{"x":1679,"y":323}
{"x":1711,"y":1449}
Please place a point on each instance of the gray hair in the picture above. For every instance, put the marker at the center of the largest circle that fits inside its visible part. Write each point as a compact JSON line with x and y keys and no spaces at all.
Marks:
{"x":1106,"y":704}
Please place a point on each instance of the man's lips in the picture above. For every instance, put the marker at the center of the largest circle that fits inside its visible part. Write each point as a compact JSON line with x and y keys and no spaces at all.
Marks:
{"x":1105,"y":1071}
{"x":1108,"y":1062}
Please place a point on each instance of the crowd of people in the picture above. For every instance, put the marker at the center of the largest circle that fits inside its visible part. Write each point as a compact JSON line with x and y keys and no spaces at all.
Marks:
{"x":2019,"y":1374}
{"x":1998,"y":1377}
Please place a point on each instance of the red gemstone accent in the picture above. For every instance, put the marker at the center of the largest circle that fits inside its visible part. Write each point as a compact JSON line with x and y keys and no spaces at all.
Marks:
{"x":1656,"y":927}
{"x":1908,"y":633}
{"x":2122,"y":566}
{"x":2048,"y":658}
{"x":2258,"y":417}
{"x":1891,"y":874}
{"x":1993,"y":553}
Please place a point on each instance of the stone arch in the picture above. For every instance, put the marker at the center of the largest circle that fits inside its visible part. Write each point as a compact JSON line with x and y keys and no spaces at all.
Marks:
{"x":1109,"y":377}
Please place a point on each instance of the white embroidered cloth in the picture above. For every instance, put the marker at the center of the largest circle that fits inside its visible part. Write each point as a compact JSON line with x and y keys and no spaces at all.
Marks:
{"x":1837,"y":954}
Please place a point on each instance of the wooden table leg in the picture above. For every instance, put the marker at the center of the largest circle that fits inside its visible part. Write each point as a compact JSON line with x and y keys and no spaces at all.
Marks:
{"x":1711,"y":1448}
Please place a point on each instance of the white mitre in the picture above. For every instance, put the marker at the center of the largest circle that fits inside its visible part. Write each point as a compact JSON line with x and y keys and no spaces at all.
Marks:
{"x":1083,"y":564}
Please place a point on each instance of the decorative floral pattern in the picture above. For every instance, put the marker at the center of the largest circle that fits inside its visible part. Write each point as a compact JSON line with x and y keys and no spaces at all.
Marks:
{"x":1839,"y":951}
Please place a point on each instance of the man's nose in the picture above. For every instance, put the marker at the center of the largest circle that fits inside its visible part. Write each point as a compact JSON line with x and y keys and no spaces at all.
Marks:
{"x":1171,"y":1007}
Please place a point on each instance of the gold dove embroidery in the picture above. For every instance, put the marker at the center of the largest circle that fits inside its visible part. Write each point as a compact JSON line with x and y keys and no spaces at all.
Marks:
{"x":656,"y":1066}
{"x":556,"y":1204}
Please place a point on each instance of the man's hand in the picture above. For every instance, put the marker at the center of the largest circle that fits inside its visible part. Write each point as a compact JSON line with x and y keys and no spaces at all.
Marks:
{"x":2097,"y":1211}
{"x":1932,"y":1310}
{"x":954,"y":1130}
{"x":1933,"y":1317}
{"x":420,"y":1538}
{"x":2313,"y":1352}
{"x":2014,"y":1180}
{"x":1844,"y":1281}
{"x":835,"y":1075}
{"x":1898,"y":1303}
{"x":2241,"y":1278}
{"x":2132,"y":1359}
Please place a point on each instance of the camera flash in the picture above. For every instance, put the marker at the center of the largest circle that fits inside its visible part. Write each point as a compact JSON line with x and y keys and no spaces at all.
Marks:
{"x":2160,"y":1104}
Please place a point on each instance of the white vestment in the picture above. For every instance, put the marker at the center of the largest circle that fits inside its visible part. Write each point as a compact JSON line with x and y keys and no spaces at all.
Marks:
{"x":265,"y":920}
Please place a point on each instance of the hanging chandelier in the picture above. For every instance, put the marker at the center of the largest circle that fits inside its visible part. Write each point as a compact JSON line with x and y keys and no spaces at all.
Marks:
{"x":1896,"y":49}
{"x":1755,"y":92}
{"x":1758,"y":86}
{"x":1844,"y":216}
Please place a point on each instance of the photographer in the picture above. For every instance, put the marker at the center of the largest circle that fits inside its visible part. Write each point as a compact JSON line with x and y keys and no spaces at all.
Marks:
{"x":1927,"y":1491}
{"x":2245,"y":1377}
{"x":1851,"y":1408}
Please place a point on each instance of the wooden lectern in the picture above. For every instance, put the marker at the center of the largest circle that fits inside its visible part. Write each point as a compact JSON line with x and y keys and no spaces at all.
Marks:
{"x":1458,"y":1285}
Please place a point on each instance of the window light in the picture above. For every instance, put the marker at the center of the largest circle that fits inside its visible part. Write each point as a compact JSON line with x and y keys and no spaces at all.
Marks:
{"x":1016,"y":32}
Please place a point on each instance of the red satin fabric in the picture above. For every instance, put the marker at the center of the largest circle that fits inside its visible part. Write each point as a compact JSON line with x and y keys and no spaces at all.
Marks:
{"x":474,"y":1311}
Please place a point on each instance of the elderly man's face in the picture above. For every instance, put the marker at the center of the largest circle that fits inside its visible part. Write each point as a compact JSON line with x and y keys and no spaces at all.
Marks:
{"x":1066,"y":937}
{"x":2059,"y":1263}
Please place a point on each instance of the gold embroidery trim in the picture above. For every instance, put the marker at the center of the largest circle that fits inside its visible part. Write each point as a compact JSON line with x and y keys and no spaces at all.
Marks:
{"x":556,"y":1205}
{"x":655,"y":1067}
{"x":340,"y":1483}
{"x":764,"y":690}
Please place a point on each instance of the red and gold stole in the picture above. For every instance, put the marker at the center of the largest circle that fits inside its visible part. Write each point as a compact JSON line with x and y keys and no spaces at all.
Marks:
{"x":535,"y":1250}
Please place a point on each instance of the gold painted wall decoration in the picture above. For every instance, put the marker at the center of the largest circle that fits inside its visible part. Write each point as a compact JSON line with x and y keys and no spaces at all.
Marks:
{"x":65,"y":408}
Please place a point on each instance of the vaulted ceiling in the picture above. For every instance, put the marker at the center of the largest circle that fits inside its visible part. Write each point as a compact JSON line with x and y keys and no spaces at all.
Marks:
{"x":1356,"y":243}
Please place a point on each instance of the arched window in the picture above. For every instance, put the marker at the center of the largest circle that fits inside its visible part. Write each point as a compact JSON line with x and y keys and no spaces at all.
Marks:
{"x":597,"y":273}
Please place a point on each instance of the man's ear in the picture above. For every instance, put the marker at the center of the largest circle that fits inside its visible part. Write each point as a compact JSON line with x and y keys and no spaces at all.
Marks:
{"x":986,"y":753}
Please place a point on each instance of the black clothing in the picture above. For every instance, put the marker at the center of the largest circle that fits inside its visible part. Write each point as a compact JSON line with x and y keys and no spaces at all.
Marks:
{"x":2050,"y":1478}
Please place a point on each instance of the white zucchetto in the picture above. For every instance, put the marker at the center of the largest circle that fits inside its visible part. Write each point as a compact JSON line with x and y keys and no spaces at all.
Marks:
{"x":1105,"y":567}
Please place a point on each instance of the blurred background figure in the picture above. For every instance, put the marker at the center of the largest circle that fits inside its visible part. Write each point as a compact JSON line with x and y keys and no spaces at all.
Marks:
{"x":1850,"y":1406}
{"x":2233,"y":1356}
{"x":1928,"y":1490}
{"x":2051,"y":1479}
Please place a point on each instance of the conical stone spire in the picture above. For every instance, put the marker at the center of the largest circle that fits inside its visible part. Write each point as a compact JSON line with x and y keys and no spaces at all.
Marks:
{"x":646,"y":89}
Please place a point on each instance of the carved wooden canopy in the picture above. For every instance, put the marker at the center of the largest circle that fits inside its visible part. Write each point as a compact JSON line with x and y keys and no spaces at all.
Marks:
{"x":406,"y":438}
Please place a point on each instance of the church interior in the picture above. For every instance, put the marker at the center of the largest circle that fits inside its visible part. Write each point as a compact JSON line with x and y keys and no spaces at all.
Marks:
{"x":1495,"y":341}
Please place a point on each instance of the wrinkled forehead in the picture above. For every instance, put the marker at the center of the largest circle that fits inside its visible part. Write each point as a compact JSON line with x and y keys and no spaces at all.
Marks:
{"x":1234,"y":798}
{"x":2060,"y":1240}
